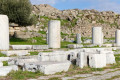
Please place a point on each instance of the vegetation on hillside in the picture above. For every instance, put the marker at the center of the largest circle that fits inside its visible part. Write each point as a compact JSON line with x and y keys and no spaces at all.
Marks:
{"x":18,"y":11}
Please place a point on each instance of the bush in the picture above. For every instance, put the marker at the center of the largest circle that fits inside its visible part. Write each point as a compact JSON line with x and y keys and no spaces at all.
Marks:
{"x":18,"y":11}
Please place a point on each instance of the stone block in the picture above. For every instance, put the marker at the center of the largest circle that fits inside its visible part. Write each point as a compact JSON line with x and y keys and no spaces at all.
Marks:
{"x":97,"y":60}
{"x":15,"y":52}
{"x":4,"y":59}
{"x":7,"y":69}
{"x":110,"y":58}
{"x":80,"y":61}
{"x":52,"y":56}
{"x":38,"y":47}
{"x":21,"y":47}
{"x":74,"y":46}
{"x":47,"y":67}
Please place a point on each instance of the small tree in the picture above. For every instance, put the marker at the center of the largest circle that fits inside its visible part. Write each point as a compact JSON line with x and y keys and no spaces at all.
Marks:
{"x":18,"y":11}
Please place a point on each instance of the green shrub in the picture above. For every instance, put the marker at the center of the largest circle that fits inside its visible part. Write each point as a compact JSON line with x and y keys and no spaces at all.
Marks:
{"x":18,"y":11}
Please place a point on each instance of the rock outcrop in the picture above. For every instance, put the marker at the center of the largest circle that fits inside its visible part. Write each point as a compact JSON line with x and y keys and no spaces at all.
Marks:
{"x":75,"y":20}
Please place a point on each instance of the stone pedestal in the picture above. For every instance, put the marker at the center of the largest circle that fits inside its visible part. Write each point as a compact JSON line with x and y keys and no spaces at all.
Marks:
{"x":97,"y":36}
{"x":117,"y":37}
{"x":78,"y":38}
{"x":54,"y":34}
{"x":4,"y":32}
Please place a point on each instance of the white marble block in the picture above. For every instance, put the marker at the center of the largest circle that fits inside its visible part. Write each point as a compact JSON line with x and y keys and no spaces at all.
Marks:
{"x":4,"y":32}
{"x":47,"y":67}
{"x":54,"y":34}
{"x":7,"y":69}
{"x":80,"y":61}
{"x":21,"y":47}
{"x":52,"y":56}
{"x":110,"y":58}
{"x":97,"y":60}
{"x":97,"y":36}
{"x":16,"y":52}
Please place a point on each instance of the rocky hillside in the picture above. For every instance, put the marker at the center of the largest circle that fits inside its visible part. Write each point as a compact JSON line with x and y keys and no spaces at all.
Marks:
{"x":75,"y":21}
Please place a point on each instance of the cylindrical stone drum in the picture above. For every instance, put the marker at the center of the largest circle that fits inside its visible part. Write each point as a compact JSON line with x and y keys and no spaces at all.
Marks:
{"x":78,"y":38}
{"x":4,"y":32}
{"x":117,"y":37}
{"x":54,"y":34}
{"x":97,"y":35}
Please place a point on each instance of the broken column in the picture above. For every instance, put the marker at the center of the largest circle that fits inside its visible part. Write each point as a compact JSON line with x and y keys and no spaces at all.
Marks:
{"x":97,"y":36}
{"x":54,"y":34}
{"x":4,"y":32}
{"x":78,"y":37}
{"x":117,"y":37}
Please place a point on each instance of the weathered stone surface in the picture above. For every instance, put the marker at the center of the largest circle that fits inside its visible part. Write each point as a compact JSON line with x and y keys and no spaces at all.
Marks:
{"x":4,"y":58}
{"x":47,"y":67}
{"x":22,"y":59}
{"x":97,"y":60}
{"x":110,"y":58}
{"x":54,"y":36}
{"x":80,"y":61}
{"x":15,"y":52}
{"x":97,"y":36}
{"x":4,"y":32}
{"x":7,"y":69}
{"x":37,"y":47}
{"x":21,"y":47}
{"x":52,"y":56}
{"x":74,"y":46}
{"x":21,"y":62}
{"x":78,"y":37}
